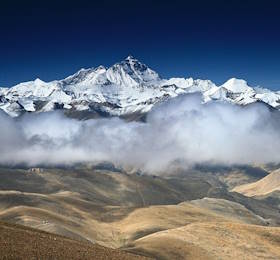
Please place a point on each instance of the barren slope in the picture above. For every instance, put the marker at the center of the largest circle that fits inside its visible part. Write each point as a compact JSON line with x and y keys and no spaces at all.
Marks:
{"x":212,"y":241}
{"x":266,"y":185}
{"x":117,"y":210}
{"x":18,"y":242}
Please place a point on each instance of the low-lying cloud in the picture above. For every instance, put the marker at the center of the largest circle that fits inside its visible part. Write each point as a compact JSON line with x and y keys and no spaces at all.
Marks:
{"x":182,"y":130}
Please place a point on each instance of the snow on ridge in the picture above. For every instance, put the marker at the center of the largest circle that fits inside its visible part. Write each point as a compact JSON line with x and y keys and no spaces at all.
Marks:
{"x":126,"y":87}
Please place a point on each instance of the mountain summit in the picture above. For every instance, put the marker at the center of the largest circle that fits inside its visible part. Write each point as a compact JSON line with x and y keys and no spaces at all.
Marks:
{"x":126,"y":88}
{"x":237,"y":85}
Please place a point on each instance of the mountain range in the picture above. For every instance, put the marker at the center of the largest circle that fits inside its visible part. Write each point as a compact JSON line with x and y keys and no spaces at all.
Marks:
{"x":126,"y":88}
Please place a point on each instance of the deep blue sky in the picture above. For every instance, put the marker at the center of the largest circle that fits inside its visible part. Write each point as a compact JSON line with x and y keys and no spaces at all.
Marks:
{"x":204,"y":39}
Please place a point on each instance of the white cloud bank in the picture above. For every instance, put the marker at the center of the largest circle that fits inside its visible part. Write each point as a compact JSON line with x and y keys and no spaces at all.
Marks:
{"x":181,"y":129}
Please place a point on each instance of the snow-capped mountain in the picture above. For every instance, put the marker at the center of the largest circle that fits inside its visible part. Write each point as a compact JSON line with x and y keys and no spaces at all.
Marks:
{"x":126,"y":88}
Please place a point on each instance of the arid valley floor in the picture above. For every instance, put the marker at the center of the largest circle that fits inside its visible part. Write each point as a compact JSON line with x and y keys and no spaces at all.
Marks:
{"x":204,"y":213}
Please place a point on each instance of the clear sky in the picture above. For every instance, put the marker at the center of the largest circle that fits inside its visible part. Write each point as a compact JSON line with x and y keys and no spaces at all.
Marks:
{"x":204,"y":39}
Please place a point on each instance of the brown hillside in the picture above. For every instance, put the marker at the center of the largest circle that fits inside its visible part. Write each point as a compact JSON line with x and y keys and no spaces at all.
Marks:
{"x":266,"y":185}
{"x":18,"y":242}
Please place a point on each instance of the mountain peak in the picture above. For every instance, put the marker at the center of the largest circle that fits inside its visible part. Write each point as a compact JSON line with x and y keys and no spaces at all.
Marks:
{"x":132,"y":61}
{"x":236,"y":81}
{"x":136,"y":71}
{"x":130,"y":57}
{"x":38,"y":81}
{"x":236,"y":85}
